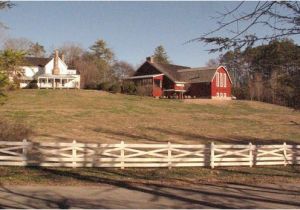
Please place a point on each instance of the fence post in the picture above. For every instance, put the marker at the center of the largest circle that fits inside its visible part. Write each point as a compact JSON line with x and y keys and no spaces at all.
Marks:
{"x":122,"y":155}
{"x":250,"y":154}
{"x":24,"y":151}
{"x":212,"y":155}
{"x":284,"y":154}
{"x":169,"y":155}
{"x":74,"y":154}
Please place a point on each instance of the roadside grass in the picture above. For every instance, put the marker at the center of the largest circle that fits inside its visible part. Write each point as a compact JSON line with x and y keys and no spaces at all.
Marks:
{"x":175,"y":176}
{"x":95,"y":116}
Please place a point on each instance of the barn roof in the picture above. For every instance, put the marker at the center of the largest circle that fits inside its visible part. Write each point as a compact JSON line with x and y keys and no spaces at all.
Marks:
{"x":36,"y":61}
{"x":186,"y":74}
{"x":196,"y":75}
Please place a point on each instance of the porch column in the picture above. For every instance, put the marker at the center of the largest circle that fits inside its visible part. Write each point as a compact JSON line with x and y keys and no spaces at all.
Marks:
{"x":53,"y":83}
{"x":67,"y":83}
{"x":47,"y":82}
{"x":39,"y":83}
{"x":60,"y":83}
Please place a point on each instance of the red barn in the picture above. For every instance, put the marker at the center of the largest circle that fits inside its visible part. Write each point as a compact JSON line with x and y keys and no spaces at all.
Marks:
{"x":168,"y":80}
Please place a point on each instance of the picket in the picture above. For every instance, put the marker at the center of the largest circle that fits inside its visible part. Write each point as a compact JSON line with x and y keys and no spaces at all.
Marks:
{"x":122,"y":155}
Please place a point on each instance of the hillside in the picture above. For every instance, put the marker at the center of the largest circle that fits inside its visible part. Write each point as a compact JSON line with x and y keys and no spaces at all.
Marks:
{"x":93,"y":116}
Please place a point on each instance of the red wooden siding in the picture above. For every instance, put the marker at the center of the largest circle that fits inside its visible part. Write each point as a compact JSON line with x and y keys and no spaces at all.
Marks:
{"x":157,"y":86}
{"x":215,"y":89}
{"x":199,"y":90}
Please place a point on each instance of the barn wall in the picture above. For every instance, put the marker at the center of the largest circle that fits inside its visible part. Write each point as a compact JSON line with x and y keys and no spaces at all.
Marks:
{"x":198,"y":90}
{"x":221,"y":90}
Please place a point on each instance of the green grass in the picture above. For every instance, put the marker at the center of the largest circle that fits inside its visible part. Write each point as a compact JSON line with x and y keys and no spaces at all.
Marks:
{"x":64,"y":115}
{"x":180,"y":176}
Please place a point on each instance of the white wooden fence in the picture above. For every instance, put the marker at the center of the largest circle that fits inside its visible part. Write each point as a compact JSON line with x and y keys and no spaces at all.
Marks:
{"x":123,"y":155}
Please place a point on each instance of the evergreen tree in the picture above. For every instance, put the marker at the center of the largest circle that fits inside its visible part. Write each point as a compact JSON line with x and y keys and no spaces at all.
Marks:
{"x":160,"y":55}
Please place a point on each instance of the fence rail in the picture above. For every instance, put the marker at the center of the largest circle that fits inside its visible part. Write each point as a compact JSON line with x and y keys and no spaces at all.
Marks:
{"x":123,"y":155}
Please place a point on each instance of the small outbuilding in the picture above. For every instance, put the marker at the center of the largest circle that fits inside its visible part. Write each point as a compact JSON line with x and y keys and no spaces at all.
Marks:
{"x":168,"y":80}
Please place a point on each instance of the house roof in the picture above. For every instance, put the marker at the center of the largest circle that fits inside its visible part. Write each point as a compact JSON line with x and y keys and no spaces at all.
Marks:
{"x":196,"y":75}
{"x":169,"y":70}
{"x":36,"y":61}
{"x":186,"y":74}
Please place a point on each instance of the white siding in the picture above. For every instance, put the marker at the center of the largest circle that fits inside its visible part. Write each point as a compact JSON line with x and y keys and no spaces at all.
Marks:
{"x":30,"y":71}
{"x":61,"y":65}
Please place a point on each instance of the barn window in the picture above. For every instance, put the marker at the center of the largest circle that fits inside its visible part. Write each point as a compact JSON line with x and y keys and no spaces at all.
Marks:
{"x":217,"y":79}
{"x":221,"y":80}
{"x":225,"y":78}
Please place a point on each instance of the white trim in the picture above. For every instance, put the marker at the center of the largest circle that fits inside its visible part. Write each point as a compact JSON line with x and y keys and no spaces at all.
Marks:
{"x":217,"y":79}
{"x":221,"y":80}
{"x":225,"y":71}
{"x":221,"y":98}
{"x":168,"y":90}
{"x":144,"y":76}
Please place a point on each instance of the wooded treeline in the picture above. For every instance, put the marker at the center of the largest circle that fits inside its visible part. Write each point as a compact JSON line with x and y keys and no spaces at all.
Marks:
{"x":268,"y":73}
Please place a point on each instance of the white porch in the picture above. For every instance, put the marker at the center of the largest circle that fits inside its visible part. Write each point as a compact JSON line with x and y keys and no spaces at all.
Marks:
{"x":58,"y":81}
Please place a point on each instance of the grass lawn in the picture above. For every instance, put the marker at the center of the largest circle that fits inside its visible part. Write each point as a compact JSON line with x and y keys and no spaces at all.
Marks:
{"x":94,"y":116}
{"x":179,"y":176}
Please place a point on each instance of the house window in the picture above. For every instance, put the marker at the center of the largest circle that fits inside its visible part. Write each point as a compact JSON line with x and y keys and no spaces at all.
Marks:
{"x":225,"y":78}
{"x":157,"y":83}
{"x":217,"y":79}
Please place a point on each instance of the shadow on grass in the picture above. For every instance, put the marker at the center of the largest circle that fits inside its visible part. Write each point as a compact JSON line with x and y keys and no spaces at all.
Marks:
{"x":205,"y":196}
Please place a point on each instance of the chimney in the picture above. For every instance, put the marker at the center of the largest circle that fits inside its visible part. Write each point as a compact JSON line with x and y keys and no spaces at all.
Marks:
{"x":55,"y":70}
{"x":63,"y":57}
{"x":150,"y":59}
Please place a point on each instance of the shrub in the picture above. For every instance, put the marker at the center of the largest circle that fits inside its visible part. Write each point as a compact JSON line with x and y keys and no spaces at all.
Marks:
{"x":129,"y":87}
{"x":105,"y":86}
{"x":13,"y":131}
{"x":12,"y":86}
{"x":32,"y":85}
{"x":144,"y":90}
{"x":240,"y":92}
{"x":115,"y":88}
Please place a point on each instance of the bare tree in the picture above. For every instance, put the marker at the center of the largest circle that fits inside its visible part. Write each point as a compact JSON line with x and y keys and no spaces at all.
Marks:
{"x":17,"y":44}
{"x":89,"y":74}
{"x":122,"y":69}
{"x":281,"y":17}
{"x":71,"y":51}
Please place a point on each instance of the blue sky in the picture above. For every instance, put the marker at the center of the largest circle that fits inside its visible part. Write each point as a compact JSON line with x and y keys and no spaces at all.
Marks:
{"x":131,"y":29}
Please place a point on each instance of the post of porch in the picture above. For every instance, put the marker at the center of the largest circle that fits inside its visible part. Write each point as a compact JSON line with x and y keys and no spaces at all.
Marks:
{"x":60,"y":83}
{"x":53,"y":83}
{"x":39,"y":82}
{"x":47,"y":82}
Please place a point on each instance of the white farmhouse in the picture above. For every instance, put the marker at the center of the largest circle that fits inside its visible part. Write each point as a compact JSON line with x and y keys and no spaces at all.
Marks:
{"x":49,"y":73}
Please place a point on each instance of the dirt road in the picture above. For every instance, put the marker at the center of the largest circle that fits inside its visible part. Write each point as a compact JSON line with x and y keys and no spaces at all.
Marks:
{"x":151,"y":196}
